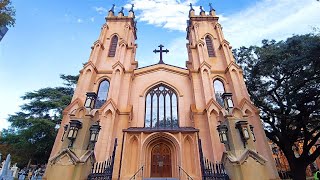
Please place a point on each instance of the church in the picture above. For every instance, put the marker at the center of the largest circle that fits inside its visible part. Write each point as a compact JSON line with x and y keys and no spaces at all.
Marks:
{"x":161,"y":121}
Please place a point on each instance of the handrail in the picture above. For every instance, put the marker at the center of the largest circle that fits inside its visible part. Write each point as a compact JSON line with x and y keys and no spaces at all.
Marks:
{"x":140,"y":169}
{"x":180,"y":168}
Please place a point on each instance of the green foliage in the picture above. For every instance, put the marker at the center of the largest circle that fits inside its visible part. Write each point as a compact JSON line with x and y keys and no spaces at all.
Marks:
{"x":33,"y":130}
{"x":283,"y":80}
{"x":7,"y":13}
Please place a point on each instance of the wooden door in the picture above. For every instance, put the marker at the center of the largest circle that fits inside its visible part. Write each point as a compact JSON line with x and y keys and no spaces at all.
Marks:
{"x":161,"y":161}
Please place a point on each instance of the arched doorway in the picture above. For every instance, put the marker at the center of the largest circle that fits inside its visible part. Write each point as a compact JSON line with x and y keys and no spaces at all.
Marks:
{"x":161,"y":164}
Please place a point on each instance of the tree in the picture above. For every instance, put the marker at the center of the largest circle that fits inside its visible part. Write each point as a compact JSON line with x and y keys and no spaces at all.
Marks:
{"x":33,"y":129}
{"x":7,"y":13}
{"x":283,"y":79}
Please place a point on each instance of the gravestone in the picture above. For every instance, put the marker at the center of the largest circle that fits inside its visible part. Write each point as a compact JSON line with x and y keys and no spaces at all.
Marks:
{"x":6,"y":173}
{"x":14,"y":170}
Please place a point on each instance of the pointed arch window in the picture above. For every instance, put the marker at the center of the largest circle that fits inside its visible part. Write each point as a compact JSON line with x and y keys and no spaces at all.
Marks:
{"x":210,"y":47}
{"x":161,"y":108}
{"x":218,"y":91}
{"x":102,"y":93}
{"x":113,"y":46}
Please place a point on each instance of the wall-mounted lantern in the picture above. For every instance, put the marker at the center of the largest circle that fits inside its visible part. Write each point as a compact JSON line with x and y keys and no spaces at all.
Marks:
{"x":228,"y":103}
{"x":223,"y":133}
{"x":242,"y":127}
{"x":90,"y":100}
{"x":75,"y":125}
{"x":94,"y":133}
{"x":65,"y":129}
{"x":252,"y":132}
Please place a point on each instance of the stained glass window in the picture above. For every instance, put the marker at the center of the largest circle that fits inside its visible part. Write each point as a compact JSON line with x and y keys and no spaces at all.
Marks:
{"x":161,"y":108}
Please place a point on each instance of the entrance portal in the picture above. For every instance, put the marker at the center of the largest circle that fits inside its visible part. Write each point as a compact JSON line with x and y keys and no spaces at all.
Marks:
{"x":161,"y":165}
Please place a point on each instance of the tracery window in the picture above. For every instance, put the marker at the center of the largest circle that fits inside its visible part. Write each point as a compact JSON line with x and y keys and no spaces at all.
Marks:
{"x":161,"y":108}
{"x":218,"y":91}
{"x":113,"y":46}
{"x":210,"y":47}
{"x":102,"y":93}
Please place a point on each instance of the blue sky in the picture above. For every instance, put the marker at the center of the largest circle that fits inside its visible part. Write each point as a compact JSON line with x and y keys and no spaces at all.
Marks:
{"x":54,"y":37}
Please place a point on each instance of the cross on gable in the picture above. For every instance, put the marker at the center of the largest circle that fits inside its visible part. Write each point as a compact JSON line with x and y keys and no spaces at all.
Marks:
{"x":161,"y":51}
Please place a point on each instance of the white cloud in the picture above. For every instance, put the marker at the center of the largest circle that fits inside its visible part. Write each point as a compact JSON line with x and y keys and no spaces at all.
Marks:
{"x":101,"y":10}
{"x":271,"y":19}
{"x":79,"y":20}
{"x":267,"y":19}
{"x":4,"y":124}
{"x":177,"y":52}
{"x":169,"y":14}
{"x":92,"y":19}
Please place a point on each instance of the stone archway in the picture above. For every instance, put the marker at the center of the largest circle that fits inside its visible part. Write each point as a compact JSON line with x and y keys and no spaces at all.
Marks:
{"x":161,"y":155}
{"x":161,"y":163}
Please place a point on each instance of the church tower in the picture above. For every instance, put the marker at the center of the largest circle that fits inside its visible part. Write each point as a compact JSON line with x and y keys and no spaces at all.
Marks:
{"x":215,"y":78}
{"x":161,"y":121}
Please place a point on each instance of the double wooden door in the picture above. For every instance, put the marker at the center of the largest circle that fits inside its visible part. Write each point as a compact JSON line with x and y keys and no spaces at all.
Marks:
{"x":161,"y":161}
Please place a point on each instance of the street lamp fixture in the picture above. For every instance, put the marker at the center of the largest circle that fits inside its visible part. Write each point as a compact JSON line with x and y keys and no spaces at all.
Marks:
{"x":94,"y":132}
{"x":228,"y":103}
{"x":242,"y":127}
{"x":90,"y":100}
{"x":223,"y":133}
{"x":75,"y":125}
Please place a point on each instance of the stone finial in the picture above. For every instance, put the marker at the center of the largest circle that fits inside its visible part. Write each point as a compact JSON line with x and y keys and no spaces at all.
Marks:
{"x":111,"y":11}
{"x":201,"y":10}
{"x":212,"y":11}
{"x":112,"y":8}
{"x":131,"y":10}
{"x":121,"y":11}
{"x":191,"y":8}
{"x":191,"y":11}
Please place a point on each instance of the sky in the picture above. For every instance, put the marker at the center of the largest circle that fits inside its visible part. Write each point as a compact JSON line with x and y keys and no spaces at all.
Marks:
{"x":54,"y":37}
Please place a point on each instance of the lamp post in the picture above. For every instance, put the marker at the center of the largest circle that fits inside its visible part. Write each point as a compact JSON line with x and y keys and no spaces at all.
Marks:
{"x":242,"y":127}
{"x":94,"y":132}
{"x":75,"y":125}
{"x":90,"y":100}
{"x":228,"y":103}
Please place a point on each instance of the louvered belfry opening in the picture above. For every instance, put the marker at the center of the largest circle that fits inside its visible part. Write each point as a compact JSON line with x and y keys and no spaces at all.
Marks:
{"x":210,"y":47}
{"x":113,"y":46}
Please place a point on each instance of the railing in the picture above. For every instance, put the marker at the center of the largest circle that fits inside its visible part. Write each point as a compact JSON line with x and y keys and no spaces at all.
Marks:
{"x":184,"y":174}
{"x":210,"y":170}
{"x":138,"y":174}
{"x":103,"y":170}
{"x":214,"y":171}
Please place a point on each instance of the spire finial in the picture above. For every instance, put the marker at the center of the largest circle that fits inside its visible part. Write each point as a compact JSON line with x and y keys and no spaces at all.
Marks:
{"x":112,"y":8}
{"x":131,"y":10}
{"x":211,"y":9}
{"x":121,"y":11}
{"x":191,"y":8}
{"x":201,"y":9}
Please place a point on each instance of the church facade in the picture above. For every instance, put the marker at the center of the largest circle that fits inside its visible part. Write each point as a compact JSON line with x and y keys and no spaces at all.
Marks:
{"x":161,"y":120}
